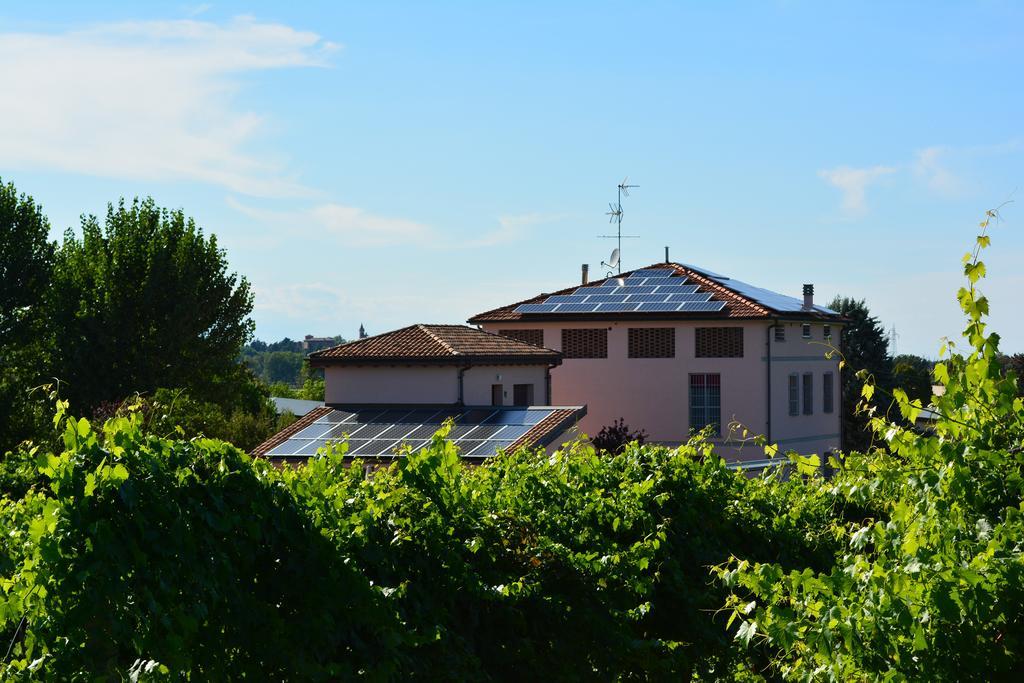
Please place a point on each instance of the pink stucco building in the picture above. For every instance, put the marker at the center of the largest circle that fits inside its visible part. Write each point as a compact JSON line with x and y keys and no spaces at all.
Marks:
{"x":674,"y":348}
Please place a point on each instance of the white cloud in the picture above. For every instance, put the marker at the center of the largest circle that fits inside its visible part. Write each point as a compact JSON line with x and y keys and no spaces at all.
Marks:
{"x":357,"y":227}
{"x":928,"y":166}
{"x":360,"y":228}
{"x":146,"y":99}
{"x":511,"y":229}
{"x":853,"y":184}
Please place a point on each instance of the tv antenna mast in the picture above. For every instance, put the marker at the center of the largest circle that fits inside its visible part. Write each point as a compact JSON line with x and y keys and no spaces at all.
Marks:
{"x":615,"y":216}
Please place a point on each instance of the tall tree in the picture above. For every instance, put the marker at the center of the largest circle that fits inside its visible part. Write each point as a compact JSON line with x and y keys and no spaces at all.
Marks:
{"x":913,"y":374}
{"x":146,"y":301}
{"x":26,"y":262}
{"x":864,"y":347}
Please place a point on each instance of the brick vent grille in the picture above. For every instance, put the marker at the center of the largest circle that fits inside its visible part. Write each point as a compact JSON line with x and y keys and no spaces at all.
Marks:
{"x":652,"y":342}
{"x":535,"y":337}
{"x":719,"y":342}
{"x":585,"y":343}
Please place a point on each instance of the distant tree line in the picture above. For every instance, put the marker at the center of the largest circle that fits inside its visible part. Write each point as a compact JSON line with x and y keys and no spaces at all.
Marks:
{"x":281,"y":363}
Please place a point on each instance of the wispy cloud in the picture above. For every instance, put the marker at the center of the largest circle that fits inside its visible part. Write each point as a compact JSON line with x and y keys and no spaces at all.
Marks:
{"x":929,"y":167}
{"x":853,"y":184}
{"x":147,"y":99}
{"x":355,"y":226}
{"x":358,"y":227}
{"x":511,"y":229}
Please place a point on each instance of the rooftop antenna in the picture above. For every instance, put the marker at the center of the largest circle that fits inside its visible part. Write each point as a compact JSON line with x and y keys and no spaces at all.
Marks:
{"x":615,"y":216}
{"x":613,"y":262}
{"x":893,"y":337}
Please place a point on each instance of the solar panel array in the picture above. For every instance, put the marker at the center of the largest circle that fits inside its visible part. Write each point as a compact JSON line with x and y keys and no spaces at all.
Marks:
{"x":773,"y":300}
{"x":654,"y":290}
{"x":379,"y":432}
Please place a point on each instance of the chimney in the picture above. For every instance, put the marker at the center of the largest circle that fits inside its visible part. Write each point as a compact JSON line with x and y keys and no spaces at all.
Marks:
{"x":586,"y":272}
{"x":666,"y":255}
{"x":808,"y":296}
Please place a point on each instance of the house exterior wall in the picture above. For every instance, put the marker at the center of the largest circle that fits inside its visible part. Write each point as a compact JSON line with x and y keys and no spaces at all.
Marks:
{"x":653,"y":393}
{"x":478,"y":380}
{"x":391,"y":384}
{"x":404,"y":384}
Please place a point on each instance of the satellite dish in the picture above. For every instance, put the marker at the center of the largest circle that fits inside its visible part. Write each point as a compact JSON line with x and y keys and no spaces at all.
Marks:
{"x":613,"y":261}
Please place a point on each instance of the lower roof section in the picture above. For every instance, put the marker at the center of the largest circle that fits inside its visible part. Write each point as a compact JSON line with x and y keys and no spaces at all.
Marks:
{"x":382,"y":431}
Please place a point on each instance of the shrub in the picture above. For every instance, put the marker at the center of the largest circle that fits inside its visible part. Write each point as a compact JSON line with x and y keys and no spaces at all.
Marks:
{"x":613,"y":438}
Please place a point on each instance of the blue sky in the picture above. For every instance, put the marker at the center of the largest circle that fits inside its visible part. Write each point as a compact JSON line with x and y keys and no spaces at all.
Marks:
{"x":391,"y":163}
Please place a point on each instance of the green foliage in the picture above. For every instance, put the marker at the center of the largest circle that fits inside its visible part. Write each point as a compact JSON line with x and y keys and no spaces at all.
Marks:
{"x":180,"y":557}
{"x":929,"y":582}
{"x":142,"y":302}
{"x":186,"y":557}
{"x":311,"y":390}
{"x":26,"y":261}
{"x":866,"y":358}
{"x":913,"y":374}
{"x":281,"y":364}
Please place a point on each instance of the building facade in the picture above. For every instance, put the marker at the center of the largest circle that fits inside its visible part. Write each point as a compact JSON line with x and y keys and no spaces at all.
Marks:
{"x":685,"y":349}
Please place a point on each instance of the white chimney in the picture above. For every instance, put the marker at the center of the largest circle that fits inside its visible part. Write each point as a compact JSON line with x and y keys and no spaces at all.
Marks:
{"x":808,"y":296}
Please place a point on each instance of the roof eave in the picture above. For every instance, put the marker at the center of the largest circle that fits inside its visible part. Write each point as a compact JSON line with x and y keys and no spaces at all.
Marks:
{"x":539,"y":359}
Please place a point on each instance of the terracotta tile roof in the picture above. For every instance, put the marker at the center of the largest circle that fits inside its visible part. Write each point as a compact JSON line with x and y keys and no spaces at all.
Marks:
{"x":435,"y":344}
{"x":736,"y":304}
{"x":550,"y":428}
{"x":294,"y":428}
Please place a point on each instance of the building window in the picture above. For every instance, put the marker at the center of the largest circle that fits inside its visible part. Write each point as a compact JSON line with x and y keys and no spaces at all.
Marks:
{"x":827,"y":392}
{"x":585,"y":343}
{"x":652,"y":342}
{"x":497,"y":395}
{"x":827,"y":332}
{"x":808,"y":393}
{"x":522,"y":394}
{"x":794,"y":394}
{"x":807,"y":330}
{"x":780,"y":333}
{"x":718,"y":342}
{"x":535,"y":337}
{"x":706,"y":402}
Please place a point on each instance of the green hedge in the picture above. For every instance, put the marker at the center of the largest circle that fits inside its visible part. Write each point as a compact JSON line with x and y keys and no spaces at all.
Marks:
{"x":132,"y":554}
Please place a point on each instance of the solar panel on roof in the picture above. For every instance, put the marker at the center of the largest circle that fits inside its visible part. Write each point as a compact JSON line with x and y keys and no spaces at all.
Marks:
{"x":647,"y":298}
{"x":566,"y":299}
{"x":690,"y":296}
{"x":635,"y":290}
{"x":676,"y":288}
{"x":773,"y":300}
{"x":654,"y":272}
{"x":535,"y":308}
{"x":657,"y":307}
{"x":607,"y":299}
{"x":624,"y":307}
{"x":375,"y":433}
{"x":577,"y":308}
{"x":701,"y":306}
{"x":314,"y":431}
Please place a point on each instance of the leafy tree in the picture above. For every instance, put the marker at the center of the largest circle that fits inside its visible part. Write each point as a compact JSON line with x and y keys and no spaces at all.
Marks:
{"x":1014,"y":363}
{"x":929,"y":584}
{"x":26,"y":261}
{"x":864,"y":348}
{"x":142,"y":302}
{"x":614,"y":437}
{"x":913,"y":374}
{"x":283,"y":366}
